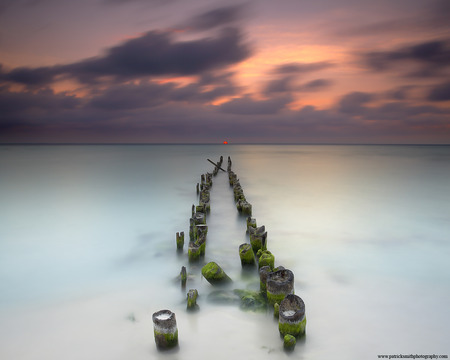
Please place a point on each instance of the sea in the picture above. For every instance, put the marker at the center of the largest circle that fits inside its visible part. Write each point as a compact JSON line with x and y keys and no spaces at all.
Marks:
{"x":88,"y":249}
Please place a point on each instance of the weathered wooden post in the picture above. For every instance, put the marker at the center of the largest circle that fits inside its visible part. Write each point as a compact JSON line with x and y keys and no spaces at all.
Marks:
{"x":289,"y":342}
{"x":183,"y":276}
{"x":258,"y":237}
{"x":251,"y":223}
{"x":180,"y":240}
{"x":202,"y":230}
{"x":192,"y":299}
{"x":194,"y":251}
{"x":276,"y":310}
{"x":246,"y":254}
{"x":266,"y":258}
{"x":279,"y":284}
{"x":165,"y":329}
{"x":263,"y":273}
{"x":292,"y":319}
{"x":246,"y":207}
{"x":214,"y":274}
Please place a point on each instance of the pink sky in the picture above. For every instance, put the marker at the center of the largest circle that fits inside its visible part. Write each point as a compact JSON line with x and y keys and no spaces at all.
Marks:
{"x":198,"y":71}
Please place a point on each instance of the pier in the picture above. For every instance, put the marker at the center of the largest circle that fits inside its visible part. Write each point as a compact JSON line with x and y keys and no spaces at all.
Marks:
{"x":277,"y":289}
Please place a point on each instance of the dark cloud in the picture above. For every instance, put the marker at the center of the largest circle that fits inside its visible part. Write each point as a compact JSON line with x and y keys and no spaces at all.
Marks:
{"x":248,"y":106}
{"x":430,"y":58}
{"x":23,"y":115}
{"x":131,"y":96}
{"x":400,"y":93}
{"x":151,"y":94}
{"x":152,"y":54}
{"x":157,"y":53}
{"x":302,"y":68}
{"x":26,"y":103}
{"x":353,"y":103}
{"x":285,"y":84}
{"x":215,"y":18}
{"x":30,"y":76}
{"x":316,"y":85}
{"x":197,"y":93}
{"x":440,"y":92}
{"x":154,"y":121}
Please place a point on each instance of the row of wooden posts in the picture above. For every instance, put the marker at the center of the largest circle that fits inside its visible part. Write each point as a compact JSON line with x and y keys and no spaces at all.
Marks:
{"x":276,"y":284}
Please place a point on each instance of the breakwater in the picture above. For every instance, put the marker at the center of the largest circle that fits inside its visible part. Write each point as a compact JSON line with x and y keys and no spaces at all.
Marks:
{"x":276,"y":293}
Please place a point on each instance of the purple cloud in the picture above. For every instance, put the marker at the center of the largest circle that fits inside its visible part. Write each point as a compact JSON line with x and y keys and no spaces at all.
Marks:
{"x":248,"y":106}
{"x":152,"y":54}
{"x":440,"y":92}
{"x":430,"y":58}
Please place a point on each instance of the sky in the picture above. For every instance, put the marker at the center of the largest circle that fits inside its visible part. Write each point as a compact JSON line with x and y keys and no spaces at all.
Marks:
{"x":208,"y":71}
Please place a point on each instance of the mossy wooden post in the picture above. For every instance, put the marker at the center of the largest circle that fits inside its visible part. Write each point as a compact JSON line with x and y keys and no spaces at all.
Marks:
{"x":180,"y":240}
{"x":205,"y":200}
{"x":279,"y":284}
{"x":276,"y":310}
{"x":292,"y":319}
{"x":258,"y":237}
{"x":232,"y":178}
{"x":192,"y":229}
{"x":246,"y":208}
{"x":289,"y":342}
{"x":165,"y":329}
{"x":199,"y":218}
{"x":183,"y":276}
{"x":246,"y":254}
{"x":202,"y":230}
{"x":192,"y":299}
{"x":214,"y":274}
{"x":251,"y":223}
{"x":263,"y":273}
{"x":194,"y":251}
{"x":200,"y":208}
{"x":266,"y":258}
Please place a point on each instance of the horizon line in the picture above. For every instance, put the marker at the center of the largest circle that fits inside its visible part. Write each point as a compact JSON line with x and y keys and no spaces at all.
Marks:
{"x":216,"y":143}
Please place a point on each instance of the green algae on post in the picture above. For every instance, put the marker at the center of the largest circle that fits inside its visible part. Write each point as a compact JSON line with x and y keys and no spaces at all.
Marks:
{"x":266,"y":258}
{"x":180,"y":240}
{"x":165,"y":329}
{"x":194,"y":251}
{"x":258,"y":237}
{"x":263,"y":273}
{"x":289,"y":342}
{"x":276,"y":310}
{"x":183,"y":276}
{"x":246,"y":254}
{"x":214,"y":274}
{"x":192,"y":299}
{"x":251,"y":222}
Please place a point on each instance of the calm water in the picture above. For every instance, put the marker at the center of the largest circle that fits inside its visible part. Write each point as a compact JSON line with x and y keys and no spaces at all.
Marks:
{"x":87,"y":249}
